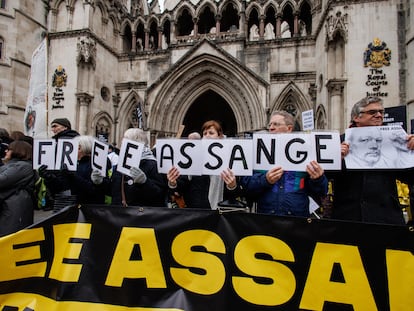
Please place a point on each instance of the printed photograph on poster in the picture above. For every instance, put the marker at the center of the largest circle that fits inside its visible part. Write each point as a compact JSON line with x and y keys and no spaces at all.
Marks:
{"x":379,"y":147}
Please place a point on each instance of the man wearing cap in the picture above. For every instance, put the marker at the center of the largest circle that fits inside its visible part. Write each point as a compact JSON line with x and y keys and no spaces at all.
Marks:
{"x":56,"y":181}
{"x":62,"y":128}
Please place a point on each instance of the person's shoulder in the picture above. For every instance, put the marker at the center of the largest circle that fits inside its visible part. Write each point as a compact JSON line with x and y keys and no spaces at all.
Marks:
{"x":66,"y":134}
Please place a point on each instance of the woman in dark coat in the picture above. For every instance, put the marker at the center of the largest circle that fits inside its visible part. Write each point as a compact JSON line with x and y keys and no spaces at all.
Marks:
{"x":17,"y":180}
{"x":145,"y":186}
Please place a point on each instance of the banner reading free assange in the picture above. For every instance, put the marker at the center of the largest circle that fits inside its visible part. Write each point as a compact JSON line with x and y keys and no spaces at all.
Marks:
{"x":110,"y":258}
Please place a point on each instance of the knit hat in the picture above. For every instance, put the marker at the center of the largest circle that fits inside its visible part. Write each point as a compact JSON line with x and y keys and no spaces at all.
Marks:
{"x":63,"y":121}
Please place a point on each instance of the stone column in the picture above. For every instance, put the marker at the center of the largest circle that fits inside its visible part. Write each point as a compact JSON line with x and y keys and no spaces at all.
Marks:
{"x":195,"y":21}
{"x":336,"y":104}
{"x":146,"y":44}
{"x":159,"y":47}
{"x":296,"y":25}
{"x":218,"y":18}
{"x":84,"y":101}
{"x":261,"y":27}
{"x":70,"y":17}
{"x":278,"y":25}
{"x":116,"y":99}
{"x":52,"y":20}
{"x":134,"y":42}
{"x":173,"y":40}
{"x":242,"y":23}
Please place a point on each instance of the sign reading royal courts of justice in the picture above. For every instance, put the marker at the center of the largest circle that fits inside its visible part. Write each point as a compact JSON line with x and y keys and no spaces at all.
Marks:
{"x":376,"y":56}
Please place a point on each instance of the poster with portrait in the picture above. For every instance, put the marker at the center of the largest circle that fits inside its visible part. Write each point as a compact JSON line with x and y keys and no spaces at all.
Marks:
{"x":35,"y":116}
{"x":378,"y":147}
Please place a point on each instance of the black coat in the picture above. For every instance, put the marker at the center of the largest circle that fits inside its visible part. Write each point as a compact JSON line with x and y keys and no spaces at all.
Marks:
{"x":368,"y":195}
{"x":195,"y":191}
{"x":151,"y":193}
{"x":16,"y":195}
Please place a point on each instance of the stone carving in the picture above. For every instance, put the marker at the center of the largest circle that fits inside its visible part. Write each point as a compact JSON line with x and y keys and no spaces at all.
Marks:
{"x":337,"y":23}
{"x":86,"y":50}
{"x":269,"y":32}
{"x":254,"y":33}
{"x":302,"y":28}
{"x":285,"y":30}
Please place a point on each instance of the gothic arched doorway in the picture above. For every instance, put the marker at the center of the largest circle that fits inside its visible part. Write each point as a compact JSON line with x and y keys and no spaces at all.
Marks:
{"x":210,"y":106}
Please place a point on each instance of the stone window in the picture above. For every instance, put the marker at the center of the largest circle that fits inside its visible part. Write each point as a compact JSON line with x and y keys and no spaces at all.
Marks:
{"x":105,"y":93}
{"x":185,"y":24}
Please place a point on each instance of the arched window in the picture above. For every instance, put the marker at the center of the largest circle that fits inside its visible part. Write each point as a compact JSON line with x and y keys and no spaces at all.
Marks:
{"x":206,"y":21}
{"x":1,"y":49}
{"x":127,"y":39}
{"x":253,"y":25}
{"x":305,"y":20}
{"x":153,"y":39}
{"x":185,"y":24}
{"x":140,"y":37}
{"x":230,"y":18}
{"x":166,"y":34}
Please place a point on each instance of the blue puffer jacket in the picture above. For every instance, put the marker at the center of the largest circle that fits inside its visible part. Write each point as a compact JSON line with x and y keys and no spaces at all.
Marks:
{"x":288,"y":196}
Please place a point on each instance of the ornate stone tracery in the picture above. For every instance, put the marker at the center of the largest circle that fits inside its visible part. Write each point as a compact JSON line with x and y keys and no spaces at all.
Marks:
{"x":335,"y":23}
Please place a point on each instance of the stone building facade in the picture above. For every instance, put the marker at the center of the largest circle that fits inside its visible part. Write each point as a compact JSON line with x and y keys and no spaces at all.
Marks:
{"x":129,"y":63}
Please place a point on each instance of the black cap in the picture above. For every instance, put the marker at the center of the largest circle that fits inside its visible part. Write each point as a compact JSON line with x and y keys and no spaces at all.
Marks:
{"x":63,"y":121}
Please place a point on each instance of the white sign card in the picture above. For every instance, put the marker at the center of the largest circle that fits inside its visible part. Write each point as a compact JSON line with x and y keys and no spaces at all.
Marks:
{"x":327,"y":148}
{"x":44,"y":153}
{"x":291,"y":151}
{"x":220,"y":154}
{"x":54,"y":154}
{"x":181,"y":153}
{"x":99,"y":156}
{"x":378,"y":147}
{"x":67,"y":153}
{"x":307,"y":120}
{"x":129,"y":155}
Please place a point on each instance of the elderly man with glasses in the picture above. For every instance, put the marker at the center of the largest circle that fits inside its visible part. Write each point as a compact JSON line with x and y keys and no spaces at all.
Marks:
{"x":285,"y":193}
{"x":368,"y":195}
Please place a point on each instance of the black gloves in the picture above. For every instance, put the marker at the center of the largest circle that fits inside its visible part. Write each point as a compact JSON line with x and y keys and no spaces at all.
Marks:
{"x":42,"y":171}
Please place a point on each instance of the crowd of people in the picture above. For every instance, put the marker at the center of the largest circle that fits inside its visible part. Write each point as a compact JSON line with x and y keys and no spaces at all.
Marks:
{"x":358,"y":195}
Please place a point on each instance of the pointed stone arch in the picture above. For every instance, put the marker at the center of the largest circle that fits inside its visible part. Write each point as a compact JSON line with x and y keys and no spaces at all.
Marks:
{"x":245,"y":93}
{"x":127,"y":112}
{"x":103,"y":124}
{"x":321,"y":121}
{"x":292,"y":100}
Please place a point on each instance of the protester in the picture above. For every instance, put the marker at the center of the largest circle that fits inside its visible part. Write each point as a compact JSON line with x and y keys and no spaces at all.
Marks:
{"x":17,"y":180}
{"x":368,"y":195}
{"x":55,"y":181}
{"x":145,"y":186}
{"x":62,"y":128}
{"x":280,"y":192}
{"x":205,"y":191}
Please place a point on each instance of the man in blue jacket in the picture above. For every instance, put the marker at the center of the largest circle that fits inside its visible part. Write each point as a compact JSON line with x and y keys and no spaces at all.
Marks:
{"x":280,"y":192}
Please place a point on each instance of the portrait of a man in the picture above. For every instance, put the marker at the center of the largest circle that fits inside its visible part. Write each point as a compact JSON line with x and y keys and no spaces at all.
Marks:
{"x":377,"y":147}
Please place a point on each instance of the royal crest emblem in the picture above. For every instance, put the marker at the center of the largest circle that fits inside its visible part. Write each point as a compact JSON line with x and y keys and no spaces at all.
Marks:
{"x":59,"y":78}
{"x":377,"y":54}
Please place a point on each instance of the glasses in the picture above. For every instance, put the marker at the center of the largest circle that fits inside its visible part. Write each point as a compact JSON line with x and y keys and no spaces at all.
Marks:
{"x":373,"y":112}
{"x":276,"y":124}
